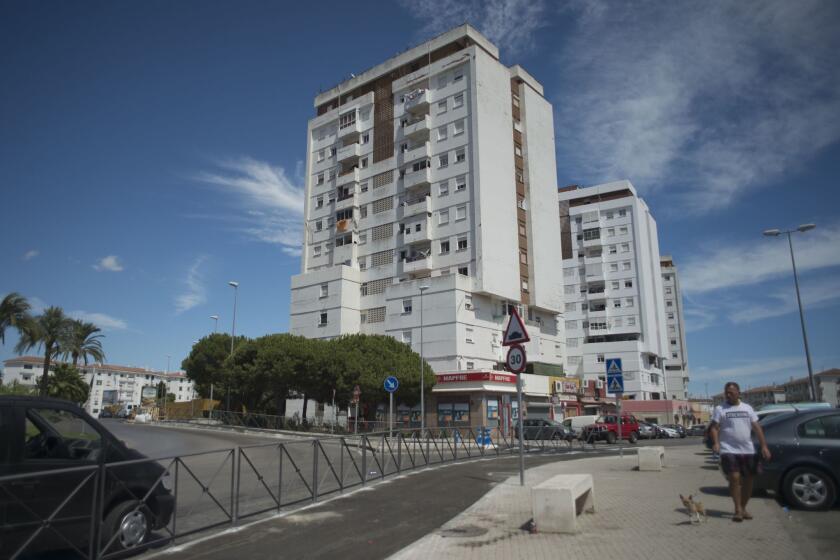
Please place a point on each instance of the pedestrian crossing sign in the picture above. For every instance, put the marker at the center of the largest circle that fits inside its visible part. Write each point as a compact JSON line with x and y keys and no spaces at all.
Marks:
{"x":615,"y":376}
{"x":616,"y":386}
{"x":614,"y":366}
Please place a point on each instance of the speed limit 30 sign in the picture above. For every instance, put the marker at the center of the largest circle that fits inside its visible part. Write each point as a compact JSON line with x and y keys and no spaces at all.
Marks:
{"x":516,"y":359}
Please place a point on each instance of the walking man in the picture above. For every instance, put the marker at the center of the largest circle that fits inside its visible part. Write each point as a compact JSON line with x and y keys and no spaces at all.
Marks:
{"x":732,"y":424}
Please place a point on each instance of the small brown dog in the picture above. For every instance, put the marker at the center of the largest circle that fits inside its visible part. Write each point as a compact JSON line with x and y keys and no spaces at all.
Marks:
{"x":695,"y":509}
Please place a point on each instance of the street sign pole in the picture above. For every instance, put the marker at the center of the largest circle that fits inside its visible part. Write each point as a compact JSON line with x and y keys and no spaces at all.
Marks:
{"x":618,"y":411}
{"x":356,"y":419}
{"x":390,"y":414}
{"x":521,"y":433}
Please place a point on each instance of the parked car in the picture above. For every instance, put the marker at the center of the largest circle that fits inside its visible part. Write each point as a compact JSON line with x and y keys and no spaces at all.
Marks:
{"x":697,"y":430}
{"x":771,"y":410}
{"x":535,"y":428}
{"x":606,"y":429}
{"x":41,"y":435}
{"x":575,"y":424}
{"x":648,"y":430}
{"x":677,"y":428}
{"x":106,"y":414}
{"x":805,"y":465}
{"x":668,"y":433}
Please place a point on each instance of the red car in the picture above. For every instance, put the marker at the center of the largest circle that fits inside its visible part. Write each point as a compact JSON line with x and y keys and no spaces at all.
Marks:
{"x":606,"y":428}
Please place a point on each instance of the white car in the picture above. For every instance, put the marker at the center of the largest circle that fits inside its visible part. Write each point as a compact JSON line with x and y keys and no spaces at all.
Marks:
{"x":669,"y":432}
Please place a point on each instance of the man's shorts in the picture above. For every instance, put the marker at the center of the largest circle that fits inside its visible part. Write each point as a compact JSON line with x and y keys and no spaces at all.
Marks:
{"x":746,"y":464}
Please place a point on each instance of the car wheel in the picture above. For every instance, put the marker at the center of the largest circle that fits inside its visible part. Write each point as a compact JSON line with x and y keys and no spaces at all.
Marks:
{"x":611,"y":437}
{"x":128,"y":526}
{"x":809,"y":488}
{"x":634,"y":437}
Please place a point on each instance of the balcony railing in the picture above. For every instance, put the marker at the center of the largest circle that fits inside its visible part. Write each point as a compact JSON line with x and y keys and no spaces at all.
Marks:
{"x":417,"y":101}
{"x":349,"y":152}
{"x":418,"y":178}
{"x":412,"y":207}
{"x":418,"y":129}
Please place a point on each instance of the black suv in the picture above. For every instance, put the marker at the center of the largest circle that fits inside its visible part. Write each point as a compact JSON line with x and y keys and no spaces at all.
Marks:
{"x":53,"y":459}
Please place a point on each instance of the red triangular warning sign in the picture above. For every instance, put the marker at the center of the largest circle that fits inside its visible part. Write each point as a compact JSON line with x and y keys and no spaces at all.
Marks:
{"x":515,"y":332}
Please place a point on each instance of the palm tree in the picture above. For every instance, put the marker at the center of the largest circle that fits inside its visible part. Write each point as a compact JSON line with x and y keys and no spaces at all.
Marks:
{"x":83,"y":342}
{"x":67,"y":383}
{"x":47,"y":331}
{"x":14,"y":312}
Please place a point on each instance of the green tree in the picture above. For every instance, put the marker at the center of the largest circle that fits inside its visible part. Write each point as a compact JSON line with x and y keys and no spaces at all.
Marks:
{"x":67,"y":383}
{"x":14,"y":312}
{"x":47,"y":331}
{"x":83,"y":341}
{"x":16,"y":388}
{"x":205,"y":365}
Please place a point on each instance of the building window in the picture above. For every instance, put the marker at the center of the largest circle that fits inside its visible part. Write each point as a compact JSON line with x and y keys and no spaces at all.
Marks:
{"x":320,"y":178}
{"x":613,"y":250}
{"x":364,"y":163}
{"x":617,"y":303}
{"x":443,"y":217}
{"x":444,"y":247}
{"x":628,"y":283}
{"x":406,"y":306}
{"x":625,"y":265}
{"x":470,"y":335}
{"x":609,"y":215}
{"x":441,"y":133}
{"x":323,"y":320}
{"x":600,"y":358}
{"x":460,"y":155}
{"x":464,"y":270}
{"x":571,"y":325}
{"x":615,"y":285}
{"x":406,"y":337}
{"x":668,"y":291}
{"x":523,"y":257}
{"x":441,"y":107}
{"x":462,"y":243}
{"x":611,"y":232}
{"x":517,"y":150}
{"x":321,"y":154}
{"x":316,"y":251}
{"x":459,"y":75}
{"x":571,"y":307}
{"x":319,"y":225}
{"x":628,"y":302}
{"x":593,"y":233}
{"x":524,"y":284}
{"x":468,"y":305}
{"x":443,"y":188}
{"x":443,"y":160}
{"x":458,"y":101}
{"x":363,"y":187}
{"x":460,"y":213}
{"x":325,"y":290}
{"x":470,"y":365}
{"x":622,"y":213}
{"x":613,"y":267}
{"x":365,"y":138}
{"x":458,"y":128}
{"x":669,"y":303}
{"x":631,"y":321}
{"x":673,"y":342}
{"x":319,"y":202}
{"x":625,"y":247}
{"x":460,"y":184}
{"x":622,"y":230}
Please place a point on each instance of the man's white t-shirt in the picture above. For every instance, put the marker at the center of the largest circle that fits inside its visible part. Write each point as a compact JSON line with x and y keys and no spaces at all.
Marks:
{"x":735,"y":423}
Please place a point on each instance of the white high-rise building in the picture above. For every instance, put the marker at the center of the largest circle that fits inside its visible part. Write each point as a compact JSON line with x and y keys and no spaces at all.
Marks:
{"x":676,"y":359}
{"x":433,"y":169}
{"x":613,"y":287}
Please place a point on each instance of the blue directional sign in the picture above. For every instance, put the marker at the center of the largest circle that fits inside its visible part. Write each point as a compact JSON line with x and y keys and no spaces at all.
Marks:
{"x":615,"y":376}
{"x":391,"y":383}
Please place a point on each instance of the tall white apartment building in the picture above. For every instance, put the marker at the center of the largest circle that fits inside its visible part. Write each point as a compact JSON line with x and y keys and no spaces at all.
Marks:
{"x":434,"y":170}
{"x":613,"y":287}
{"x":676,"y":359}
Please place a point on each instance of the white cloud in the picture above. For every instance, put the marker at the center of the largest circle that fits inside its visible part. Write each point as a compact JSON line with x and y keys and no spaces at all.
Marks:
{"x":509,"y":24}
{"x":747,"y":263}
{"x":110,"y":263}
{"x":271,"y":205}
{"x":698,"y":317}
{"x":196,"y":293}
{"x":31,"y":254}
{"x":814,"y":294}
{"x":706,"y":99}
{"x":768,"y":369}
{"x":101,"y":320}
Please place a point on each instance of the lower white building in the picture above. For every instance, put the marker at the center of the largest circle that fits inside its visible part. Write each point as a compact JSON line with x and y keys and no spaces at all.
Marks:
{"x":613,"y":287}
{"x":109,"y":384}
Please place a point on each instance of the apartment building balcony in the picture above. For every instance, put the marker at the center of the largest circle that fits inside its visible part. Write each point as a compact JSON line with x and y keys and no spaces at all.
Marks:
{"x":423,"y":151}
{"x":418,"y":130}
{"x":349,"y":175}
{"x":349,"y":130}
{"x":346,"y":254}
{"x":411,"y":235}
{"x":417,"y":102}
{"x":347,"y":153}
{"x":417,"y":263}
{"x":595,"y":242}
{"x":419,"y":178}
{"x":347,"y":201}
{"x":414,"y":206}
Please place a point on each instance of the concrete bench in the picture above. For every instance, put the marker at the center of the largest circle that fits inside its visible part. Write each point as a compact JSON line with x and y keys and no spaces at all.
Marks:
{"x":557,"y":502}
{"x":651,"y":458}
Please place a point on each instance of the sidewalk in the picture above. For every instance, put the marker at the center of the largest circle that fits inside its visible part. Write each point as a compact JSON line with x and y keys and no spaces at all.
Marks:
{"x":638,"y":516}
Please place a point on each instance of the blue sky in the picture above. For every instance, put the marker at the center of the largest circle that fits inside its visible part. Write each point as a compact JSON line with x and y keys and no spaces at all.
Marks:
{"x":152,"y":151}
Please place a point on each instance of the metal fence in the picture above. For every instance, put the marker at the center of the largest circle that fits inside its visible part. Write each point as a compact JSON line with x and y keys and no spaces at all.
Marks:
{"x":181,"y":495}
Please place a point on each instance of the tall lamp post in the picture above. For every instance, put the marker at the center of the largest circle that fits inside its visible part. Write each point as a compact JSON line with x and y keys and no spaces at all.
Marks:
{"x":422,"y":369}
{"x":235,"y":286}
{"x":801,"y":229}
{"x":215,"y":323}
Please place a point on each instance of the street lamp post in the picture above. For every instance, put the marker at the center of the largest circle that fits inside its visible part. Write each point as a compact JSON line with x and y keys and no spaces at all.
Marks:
{"x":235,"y":286}
{"x":215,"y":323}
{"x":801,"y":229}
{"x":422,"y":369}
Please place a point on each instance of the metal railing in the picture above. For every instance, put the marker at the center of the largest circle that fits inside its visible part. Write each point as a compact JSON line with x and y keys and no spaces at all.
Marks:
{"x":182,"y":495}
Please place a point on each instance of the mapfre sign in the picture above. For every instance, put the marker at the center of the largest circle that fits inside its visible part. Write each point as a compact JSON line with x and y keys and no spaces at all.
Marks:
{"x":478,"y":376}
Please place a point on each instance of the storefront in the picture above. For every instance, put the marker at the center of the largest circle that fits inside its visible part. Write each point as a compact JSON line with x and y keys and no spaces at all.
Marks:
{"x":565,"y":392}
{"x":474,"y":398}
